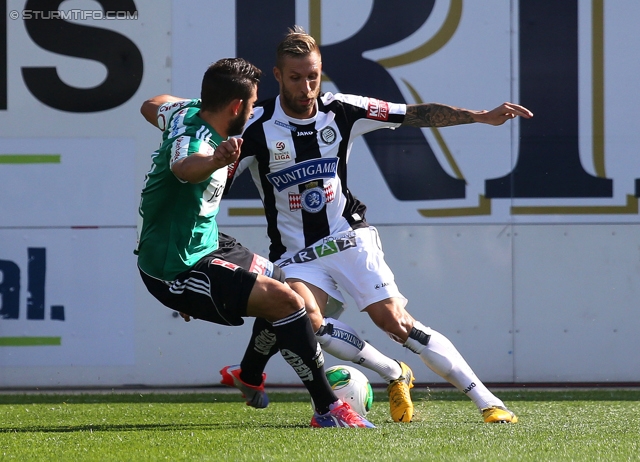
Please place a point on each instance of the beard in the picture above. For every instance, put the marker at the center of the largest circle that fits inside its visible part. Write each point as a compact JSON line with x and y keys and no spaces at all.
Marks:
{"x":236,"y":125}
{"x":294,"y":106}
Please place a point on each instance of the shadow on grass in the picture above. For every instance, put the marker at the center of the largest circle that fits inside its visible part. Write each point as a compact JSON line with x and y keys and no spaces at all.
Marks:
{"x":298,"y":396}
{"x":137,"y":397}
{"x":147,"y":427}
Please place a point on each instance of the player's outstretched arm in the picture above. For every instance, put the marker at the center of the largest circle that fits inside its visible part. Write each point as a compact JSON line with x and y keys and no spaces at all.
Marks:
{"x":149,"y":108}
{"x":198,"y":167}
{"x":442,"y":115}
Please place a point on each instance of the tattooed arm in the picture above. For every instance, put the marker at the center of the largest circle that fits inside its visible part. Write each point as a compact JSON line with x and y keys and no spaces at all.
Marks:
{"x":441,"y":115}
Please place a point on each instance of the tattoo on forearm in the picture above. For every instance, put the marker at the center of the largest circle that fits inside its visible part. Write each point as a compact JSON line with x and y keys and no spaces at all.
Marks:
{"x":435,"y":115}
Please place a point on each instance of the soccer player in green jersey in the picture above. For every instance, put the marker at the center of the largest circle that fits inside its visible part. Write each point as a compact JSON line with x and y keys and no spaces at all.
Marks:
{"x":188,"y":265}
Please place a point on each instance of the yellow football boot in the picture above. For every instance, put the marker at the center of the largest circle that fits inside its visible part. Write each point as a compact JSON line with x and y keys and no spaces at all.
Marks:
{"x":400,"y":404}
{"x":498,"y":414}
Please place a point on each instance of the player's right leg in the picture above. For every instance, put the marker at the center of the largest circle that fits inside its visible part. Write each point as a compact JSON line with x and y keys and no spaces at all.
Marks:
{"x":440,"y":355}
{"x":258,"y":290}
{"x":342,"y":341}
{"x":284,"y":309}
{"x":337,"y":338}
{"x":360,"y":269}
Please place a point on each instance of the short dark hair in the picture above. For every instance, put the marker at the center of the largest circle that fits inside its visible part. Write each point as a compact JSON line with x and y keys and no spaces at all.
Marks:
{"x":226,"y":80}
{"x":296,"y":44}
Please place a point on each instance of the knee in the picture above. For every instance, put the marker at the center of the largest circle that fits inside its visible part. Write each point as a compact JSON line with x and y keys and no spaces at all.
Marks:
{"x":397,"y":329}
{"x":315,"y":315}
{"x":311,"y":304}
{"x":289,"y":300}
{"x":393,"y":319}
{"x":283,"y":304}
{"x":273,"y":300}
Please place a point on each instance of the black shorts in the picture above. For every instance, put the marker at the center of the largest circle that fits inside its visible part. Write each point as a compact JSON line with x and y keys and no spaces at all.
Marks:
{"x":217,"y":287}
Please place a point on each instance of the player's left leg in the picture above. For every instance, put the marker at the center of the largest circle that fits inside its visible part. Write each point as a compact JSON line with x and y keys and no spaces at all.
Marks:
{"x":249,"y":376}
{"x":439,"y":354}
{"x":361,"y":270}
{"x":337,"y":338}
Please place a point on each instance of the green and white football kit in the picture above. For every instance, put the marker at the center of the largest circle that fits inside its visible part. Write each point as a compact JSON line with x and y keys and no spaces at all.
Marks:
{"x":183,"y":259}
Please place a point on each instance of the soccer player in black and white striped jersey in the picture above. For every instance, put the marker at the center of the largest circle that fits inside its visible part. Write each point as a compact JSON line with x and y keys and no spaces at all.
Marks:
{"x":296,"y":147}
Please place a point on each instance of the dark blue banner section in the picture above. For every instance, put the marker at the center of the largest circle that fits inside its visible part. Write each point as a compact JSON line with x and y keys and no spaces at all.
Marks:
{"x":404,"y":156}
{"x":548,"y":162}
{"x":9,"y":290}
{"x":36,"y":271}
{"x":10,"y":286}
{"x":258,"y":32}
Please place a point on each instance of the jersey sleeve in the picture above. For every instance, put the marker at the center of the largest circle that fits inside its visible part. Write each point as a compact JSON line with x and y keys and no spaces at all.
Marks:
{"x":368,"y":114}
{"x":167,"y":110}
{"x":183,"y":146}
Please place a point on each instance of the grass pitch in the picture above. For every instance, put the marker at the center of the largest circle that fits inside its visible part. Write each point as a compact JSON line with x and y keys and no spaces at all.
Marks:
{"x":559,"y":425}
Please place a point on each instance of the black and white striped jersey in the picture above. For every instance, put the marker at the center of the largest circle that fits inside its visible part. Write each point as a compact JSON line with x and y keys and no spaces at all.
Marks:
{"x":300,"y":166}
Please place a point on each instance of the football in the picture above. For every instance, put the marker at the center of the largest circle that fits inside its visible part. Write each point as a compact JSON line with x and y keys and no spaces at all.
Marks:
{"x":351,"y":386}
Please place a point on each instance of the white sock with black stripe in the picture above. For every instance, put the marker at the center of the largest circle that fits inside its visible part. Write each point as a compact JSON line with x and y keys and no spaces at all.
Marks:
{"x":341,"y":340}
{"x":439,"y":354}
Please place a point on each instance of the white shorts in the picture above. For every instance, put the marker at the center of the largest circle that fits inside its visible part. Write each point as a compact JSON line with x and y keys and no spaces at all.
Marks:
{"x":352,"y":260}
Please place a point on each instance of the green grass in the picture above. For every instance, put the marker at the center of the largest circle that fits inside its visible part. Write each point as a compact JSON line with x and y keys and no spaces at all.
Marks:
{"x":565,"y":425}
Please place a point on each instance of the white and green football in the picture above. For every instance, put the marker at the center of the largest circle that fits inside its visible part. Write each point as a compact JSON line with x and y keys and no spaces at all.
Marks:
{"x":351,"y":386}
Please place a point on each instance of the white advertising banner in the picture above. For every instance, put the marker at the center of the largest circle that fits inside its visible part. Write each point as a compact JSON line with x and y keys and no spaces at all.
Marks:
{"x":473,"y":217}
{"x":67,"y":297}
{"x":73,"y":156}
{"x":68,"y":182}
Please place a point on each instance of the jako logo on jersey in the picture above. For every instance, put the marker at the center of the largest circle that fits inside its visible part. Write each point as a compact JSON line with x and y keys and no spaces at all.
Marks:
{"x":285,"y":125}
{"x":303,"y":172}
{"x":378,"y":110}
{"x":311,"y":133}
{"x":280,"y":152}
{"x":380,"y":286}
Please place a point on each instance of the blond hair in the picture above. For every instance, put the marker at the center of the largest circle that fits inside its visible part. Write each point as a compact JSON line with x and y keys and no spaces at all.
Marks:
{"x":297,"y":43}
